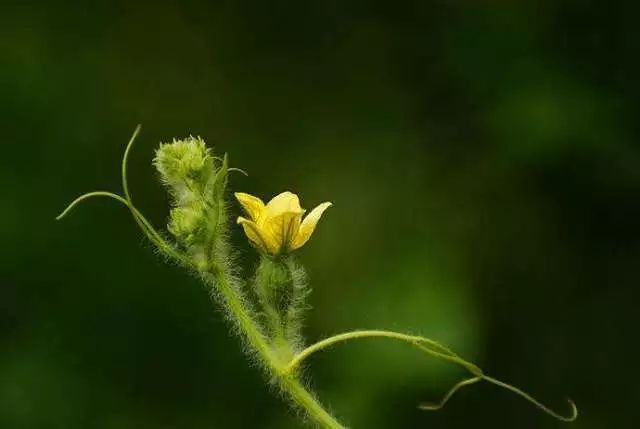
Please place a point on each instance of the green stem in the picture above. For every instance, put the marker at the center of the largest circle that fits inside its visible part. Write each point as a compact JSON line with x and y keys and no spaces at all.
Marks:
{"x":306,"y":400}
{"x":443,"y":352}
{"x":290,"y":384}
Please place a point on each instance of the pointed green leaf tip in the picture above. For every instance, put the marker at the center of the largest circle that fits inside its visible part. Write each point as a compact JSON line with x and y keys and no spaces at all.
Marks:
{"x":220,"y":179}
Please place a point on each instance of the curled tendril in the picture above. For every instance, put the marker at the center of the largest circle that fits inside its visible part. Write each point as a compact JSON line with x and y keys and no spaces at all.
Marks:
{"x":88,"y":195}
{"x":230,"y":169}
{"x":450,"y":393}
{"x":571,"y":417}
{"x":239,"y":170}
{"x":436,"y":350}
{"x":145,"y":226}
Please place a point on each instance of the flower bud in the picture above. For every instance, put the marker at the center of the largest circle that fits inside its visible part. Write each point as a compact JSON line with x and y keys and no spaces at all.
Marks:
{"x":197,"y":183}
{"x":188,"y":224}
{"x":186,"y":166}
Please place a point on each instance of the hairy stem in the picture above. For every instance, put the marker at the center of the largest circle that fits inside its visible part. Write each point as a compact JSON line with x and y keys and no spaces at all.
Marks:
{"x":289,"y":383}
{"x":309,"y":403}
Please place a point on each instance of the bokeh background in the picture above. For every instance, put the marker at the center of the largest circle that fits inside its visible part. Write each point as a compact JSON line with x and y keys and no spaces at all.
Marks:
{"x":484,"y":164}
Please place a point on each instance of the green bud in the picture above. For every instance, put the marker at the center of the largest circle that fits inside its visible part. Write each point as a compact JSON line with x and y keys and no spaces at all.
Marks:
{"x":196,"y":181}
{"x":186,"y":166}
{"x":188,"y":223}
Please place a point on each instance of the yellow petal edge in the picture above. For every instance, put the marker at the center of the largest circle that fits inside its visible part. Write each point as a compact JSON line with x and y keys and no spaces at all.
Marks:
{"x":252,"y":205}
{"x":309,"y":225}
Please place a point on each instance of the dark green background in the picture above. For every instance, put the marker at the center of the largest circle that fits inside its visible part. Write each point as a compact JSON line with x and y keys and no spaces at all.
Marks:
{"x":484,"y":164}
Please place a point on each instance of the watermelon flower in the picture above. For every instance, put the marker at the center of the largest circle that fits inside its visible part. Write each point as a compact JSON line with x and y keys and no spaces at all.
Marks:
{"x":278,"y":226}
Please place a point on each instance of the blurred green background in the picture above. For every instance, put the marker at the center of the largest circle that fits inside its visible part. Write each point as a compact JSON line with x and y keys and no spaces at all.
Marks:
{"x":484,"y":164}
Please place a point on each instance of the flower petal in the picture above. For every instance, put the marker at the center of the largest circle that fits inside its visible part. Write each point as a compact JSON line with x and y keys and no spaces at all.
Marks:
{"x":255,"y":236}
{"x":309,"y":225}
{"x":252,"y":205}
{"x":283,"y":202}
{"x":283,"y":228}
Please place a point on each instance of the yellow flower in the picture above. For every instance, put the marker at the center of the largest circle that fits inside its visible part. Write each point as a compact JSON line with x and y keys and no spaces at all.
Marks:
{"x":278,"y":226}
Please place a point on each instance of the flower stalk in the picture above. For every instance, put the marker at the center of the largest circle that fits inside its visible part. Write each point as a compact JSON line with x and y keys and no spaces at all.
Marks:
{"x":281,"y":289}
{"x":271,"y":324}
